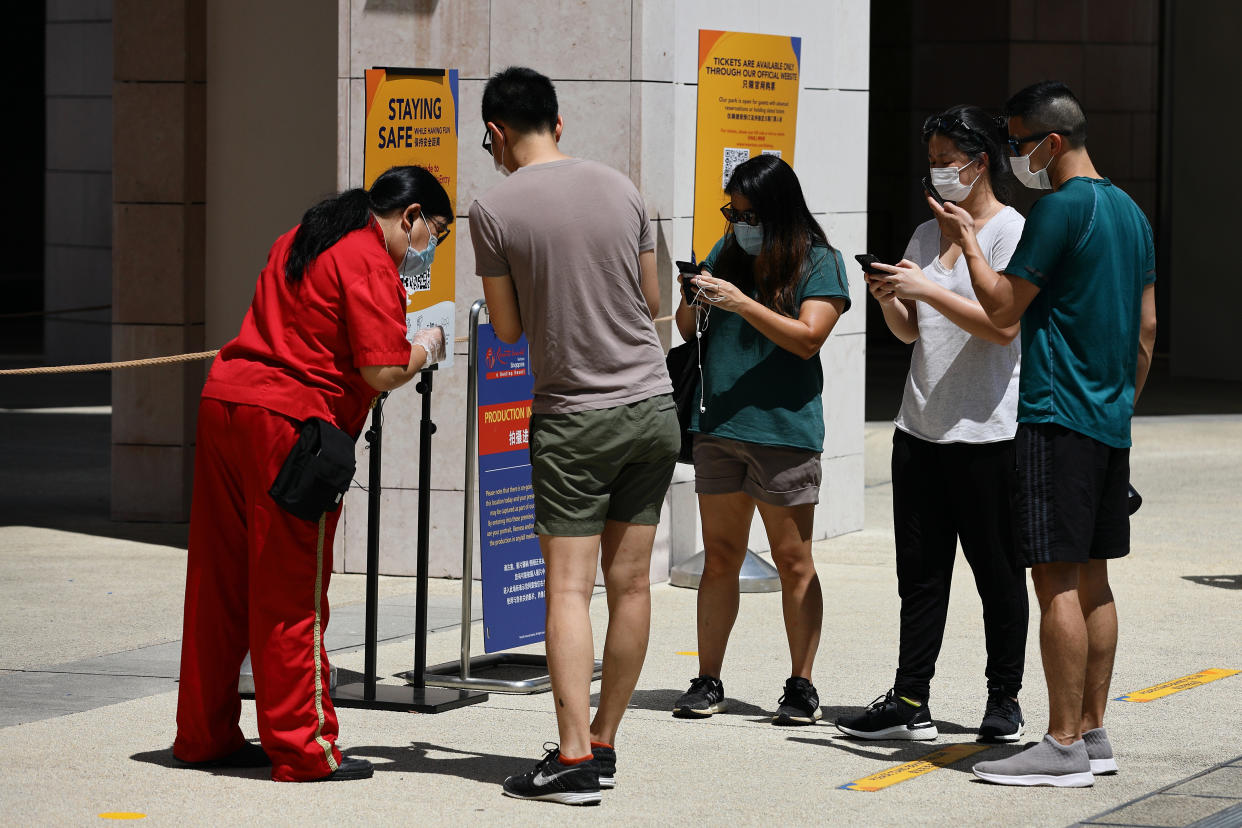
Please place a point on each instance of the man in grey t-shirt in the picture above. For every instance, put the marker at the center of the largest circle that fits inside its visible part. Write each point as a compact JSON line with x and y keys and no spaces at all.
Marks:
{"x":566,"y":255}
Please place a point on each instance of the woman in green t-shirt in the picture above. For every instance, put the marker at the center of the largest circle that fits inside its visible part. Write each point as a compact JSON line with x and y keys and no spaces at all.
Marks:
{"x":768,"y":295}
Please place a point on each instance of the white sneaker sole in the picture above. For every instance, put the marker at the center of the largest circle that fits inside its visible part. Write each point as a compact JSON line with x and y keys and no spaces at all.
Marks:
{"x":564,"y":797}
{"x":702,"y":713}
{"x":1065,"y":780}
{"x":607,"y":782}
{"x":798,"y":720}
{"x":1008,"y":737}
{"x":917,"y":734}
{"x":1103,"y":767}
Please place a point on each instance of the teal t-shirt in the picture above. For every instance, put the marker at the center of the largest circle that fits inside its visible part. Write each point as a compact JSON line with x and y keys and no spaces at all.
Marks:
{"x":754,"y":390}
{"x":1088,"y":247}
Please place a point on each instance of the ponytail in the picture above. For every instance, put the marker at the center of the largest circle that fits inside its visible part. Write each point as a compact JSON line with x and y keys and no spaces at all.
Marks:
{"x":323,"y":226}
{"x":333,"y":218}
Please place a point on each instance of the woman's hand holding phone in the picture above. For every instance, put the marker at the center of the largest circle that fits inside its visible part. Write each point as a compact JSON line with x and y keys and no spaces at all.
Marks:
{"x":905,"y":280}
{"x":955,"y":223}
{"x":720,"y":293}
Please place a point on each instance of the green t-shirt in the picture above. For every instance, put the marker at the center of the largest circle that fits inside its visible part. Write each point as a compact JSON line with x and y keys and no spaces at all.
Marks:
{"x":1088,"y":247}
{"x":755,"y":391}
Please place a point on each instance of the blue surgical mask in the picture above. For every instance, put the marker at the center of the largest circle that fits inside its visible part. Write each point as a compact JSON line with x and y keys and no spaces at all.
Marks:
{"x":749,"y":238}
{"x":418,"y":262}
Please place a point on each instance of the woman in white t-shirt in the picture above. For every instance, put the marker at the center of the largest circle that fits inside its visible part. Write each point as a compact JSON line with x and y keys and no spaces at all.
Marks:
{"x":953,"y":457}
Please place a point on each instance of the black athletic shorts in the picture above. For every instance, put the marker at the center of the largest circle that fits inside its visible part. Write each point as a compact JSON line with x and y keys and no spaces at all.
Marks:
{"x":1071,"y":496}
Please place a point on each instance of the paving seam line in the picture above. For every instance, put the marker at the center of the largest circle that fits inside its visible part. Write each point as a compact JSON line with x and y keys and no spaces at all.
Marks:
{"x":1158,"y":791}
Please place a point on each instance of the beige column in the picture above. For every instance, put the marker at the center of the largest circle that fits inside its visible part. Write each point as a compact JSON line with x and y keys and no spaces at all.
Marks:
{"x":157,"y":277}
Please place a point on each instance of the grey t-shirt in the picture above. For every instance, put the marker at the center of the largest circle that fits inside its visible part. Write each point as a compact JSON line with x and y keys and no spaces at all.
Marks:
{"x":569,"y":233}
{"x":961,"y":389}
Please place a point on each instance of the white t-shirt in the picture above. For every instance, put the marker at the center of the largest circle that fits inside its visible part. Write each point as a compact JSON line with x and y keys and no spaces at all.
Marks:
{"x":961,"y":389}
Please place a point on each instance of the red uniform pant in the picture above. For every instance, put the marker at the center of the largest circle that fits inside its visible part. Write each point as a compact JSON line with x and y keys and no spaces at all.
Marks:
{"x":257,"y":579}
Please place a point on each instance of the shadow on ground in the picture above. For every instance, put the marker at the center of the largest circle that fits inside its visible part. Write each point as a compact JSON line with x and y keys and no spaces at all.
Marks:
{"x":662,"y":701}
{"x":1222,"y":581}
{"x":896,"y":751}
{"x":417,"y":757}
{"x":425,"y":757}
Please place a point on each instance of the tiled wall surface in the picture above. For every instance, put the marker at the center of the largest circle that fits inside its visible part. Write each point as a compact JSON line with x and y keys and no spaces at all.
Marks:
{"x":78,"y":178}
{"x":927,"y":61}
{"x":625,"y":74}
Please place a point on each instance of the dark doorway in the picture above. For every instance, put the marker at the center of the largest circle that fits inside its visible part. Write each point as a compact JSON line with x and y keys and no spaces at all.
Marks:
{"x":22,"y":145}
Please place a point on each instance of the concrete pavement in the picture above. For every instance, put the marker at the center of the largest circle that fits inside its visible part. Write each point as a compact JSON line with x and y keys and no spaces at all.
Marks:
{"x":70,"y":597}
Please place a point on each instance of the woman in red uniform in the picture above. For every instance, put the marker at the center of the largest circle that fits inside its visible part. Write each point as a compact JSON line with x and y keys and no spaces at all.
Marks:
{"x":324,"y":334}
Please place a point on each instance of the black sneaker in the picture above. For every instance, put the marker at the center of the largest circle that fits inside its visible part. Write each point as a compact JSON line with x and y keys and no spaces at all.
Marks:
{"x":705,"y":697}
{"x":891,"y":717}
{"x":248,"y":755}
{"x":607,"y":758}
{"x":348,"y":770}
{"x":799,"y":705}
{"x":553,"y":782}
{"x":1002,"y":719}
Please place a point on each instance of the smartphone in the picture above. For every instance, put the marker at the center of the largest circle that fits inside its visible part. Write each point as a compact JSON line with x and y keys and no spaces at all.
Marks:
{"x":931,"y":191}
{"x":867,"y":260}
{"x":688,"y":269}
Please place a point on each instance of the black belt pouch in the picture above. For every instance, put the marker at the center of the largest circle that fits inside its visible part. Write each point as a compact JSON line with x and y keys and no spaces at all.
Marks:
{"x":317,"y":471}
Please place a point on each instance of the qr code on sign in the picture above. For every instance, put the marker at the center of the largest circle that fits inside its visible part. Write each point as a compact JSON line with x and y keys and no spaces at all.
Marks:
{"x":418,"y":283}
{"x":732,"y":158}
{"x":777,"y":153}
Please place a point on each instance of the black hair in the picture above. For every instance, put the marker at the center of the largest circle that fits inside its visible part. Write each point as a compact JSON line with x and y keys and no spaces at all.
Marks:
{"x":1050,"y":106}
{"x":789,"y":229}
{"x":975,"y":132}
{"x":520,"y":98}
{"x":331,"y":219}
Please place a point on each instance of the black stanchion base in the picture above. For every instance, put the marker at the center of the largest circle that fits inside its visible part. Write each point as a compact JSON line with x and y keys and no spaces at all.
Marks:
{"x":405,"y":699}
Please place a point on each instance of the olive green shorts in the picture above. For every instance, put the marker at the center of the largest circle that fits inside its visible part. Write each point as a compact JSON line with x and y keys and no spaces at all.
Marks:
{"x":588,"y":467}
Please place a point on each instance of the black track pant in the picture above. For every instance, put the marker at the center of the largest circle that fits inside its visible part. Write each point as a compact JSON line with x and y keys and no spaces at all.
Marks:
{"x":943,"y":493}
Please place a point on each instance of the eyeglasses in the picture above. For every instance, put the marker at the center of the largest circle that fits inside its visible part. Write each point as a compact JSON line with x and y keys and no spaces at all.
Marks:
{"x":739,"y":216}
{"x":442,"y":233}
{"x":487,"y":140}
{"x":1014,"y":143}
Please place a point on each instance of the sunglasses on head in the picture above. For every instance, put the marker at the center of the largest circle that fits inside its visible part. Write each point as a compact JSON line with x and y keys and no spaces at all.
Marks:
{"x":945,"y":126}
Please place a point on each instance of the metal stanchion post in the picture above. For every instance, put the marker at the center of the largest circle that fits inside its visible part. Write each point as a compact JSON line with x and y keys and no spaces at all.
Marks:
{"x":416,"y":696}
{"x":374,"y":437}
{"x":457,"y":673}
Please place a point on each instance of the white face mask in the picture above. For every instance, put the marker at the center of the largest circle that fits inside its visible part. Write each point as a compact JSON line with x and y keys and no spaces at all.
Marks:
{"x":499,"y":165}
{"x":1022,"y":170}
{"x":948,"y":181}
{"x":749,"y":238}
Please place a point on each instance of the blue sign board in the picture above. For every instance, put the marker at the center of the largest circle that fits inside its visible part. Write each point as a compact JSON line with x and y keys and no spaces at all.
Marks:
{"x":511,"y":562}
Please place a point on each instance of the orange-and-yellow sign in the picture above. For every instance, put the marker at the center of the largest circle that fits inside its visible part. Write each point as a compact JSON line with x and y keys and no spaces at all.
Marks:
{"x":411,"y":118}
{"x":748,"y":105}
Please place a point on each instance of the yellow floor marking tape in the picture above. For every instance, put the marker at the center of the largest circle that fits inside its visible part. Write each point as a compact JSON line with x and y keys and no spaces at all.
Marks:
{"x":1177,"y":685}
{"x":939,"y":758}
{"x":688,"y":652}
{"x":122,"y":815}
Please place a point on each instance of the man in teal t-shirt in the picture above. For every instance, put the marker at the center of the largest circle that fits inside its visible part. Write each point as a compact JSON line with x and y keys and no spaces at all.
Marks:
{"x":1081,"y":282}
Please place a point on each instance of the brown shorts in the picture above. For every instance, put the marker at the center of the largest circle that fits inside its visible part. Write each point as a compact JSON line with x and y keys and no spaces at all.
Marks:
{"x":776,"y":475}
